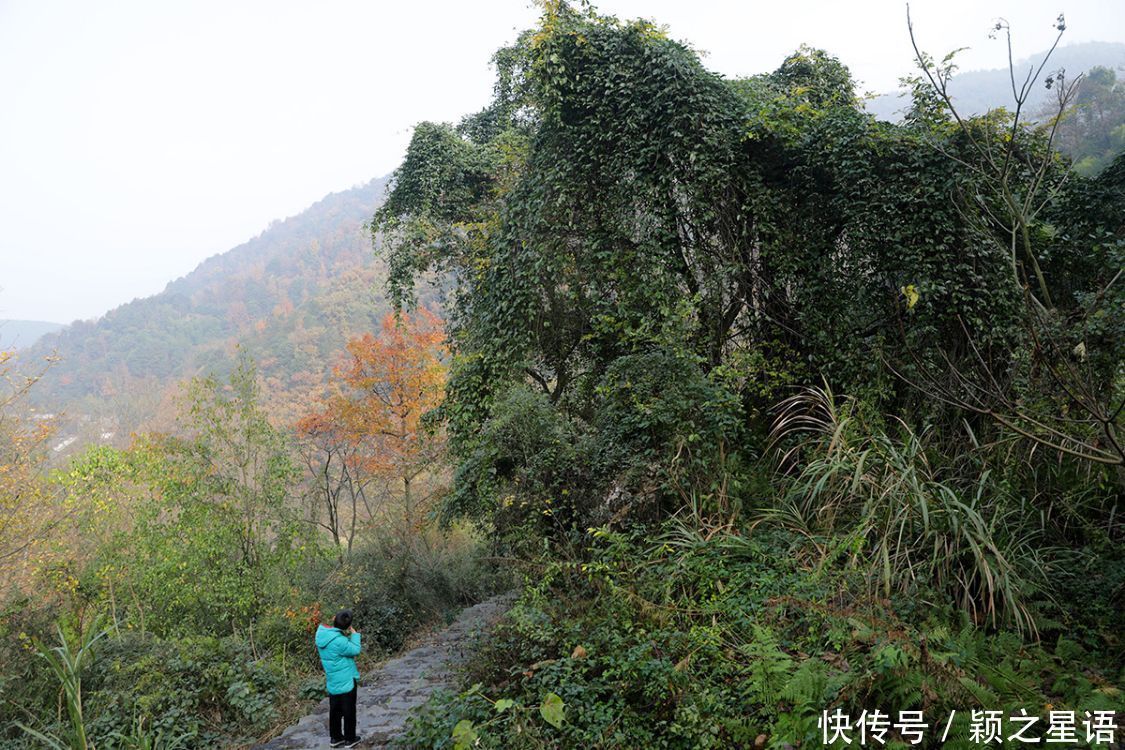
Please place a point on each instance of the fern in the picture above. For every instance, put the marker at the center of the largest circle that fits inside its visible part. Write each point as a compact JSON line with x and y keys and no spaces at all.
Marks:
{"x":809,"y":685}
{"x":770,"y":668}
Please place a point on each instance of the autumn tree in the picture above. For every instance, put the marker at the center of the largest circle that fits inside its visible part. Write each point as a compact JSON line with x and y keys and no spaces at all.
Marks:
{"x":338,"y":472}
{"x":371,"y":426}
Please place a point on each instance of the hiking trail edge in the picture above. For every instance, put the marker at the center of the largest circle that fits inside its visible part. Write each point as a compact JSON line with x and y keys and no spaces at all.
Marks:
{"x":389,"y":692}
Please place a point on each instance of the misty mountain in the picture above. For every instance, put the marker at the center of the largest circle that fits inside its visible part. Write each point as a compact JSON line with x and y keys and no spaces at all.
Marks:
{"x":290,"y":297}
{"x":977,"y":91}
{"x":20,"y":334}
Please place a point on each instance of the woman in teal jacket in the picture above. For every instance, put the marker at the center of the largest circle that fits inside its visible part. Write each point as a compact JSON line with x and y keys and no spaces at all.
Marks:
{"x":338,"y":647}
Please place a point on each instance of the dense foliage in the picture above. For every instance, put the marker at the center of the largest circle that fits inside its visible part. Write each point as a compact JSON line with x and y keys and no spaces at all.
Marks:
{"x":622,"y":220}
{"x":703,"y":638}
{"x":649,"y":262}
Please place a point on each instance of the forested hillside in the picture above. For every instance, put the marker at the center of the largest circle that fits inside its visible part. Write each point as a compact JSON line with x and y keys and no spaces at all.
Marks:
{"x":289,"y":298}
{"x":789,"y":426}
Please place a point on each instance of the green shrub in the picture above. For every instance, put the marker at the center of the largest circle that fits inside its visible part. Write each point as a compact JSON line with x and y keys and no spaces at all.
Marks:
{"x":710,"y":638}
{"x":658,"y":429}
{"x":396,"y":581}
{"x":203,"y":688}
{"x":526,"y":471}
{"x":658,"y":409}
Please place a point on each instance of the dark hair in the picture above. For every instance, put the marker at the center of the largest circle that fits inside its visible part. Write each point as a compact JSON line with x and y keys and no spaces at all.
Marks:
{"x":343,"y":619}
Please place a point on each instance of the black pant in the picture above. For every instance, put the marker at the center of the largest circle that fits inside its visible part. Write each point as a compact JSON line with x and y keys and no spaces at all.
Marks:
{"x":341,"y":714}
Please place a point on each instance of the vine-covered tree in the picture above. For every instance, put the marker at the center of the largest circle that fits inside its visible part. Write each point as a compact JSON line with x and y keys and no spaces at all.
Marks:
{"x":620,"y":213}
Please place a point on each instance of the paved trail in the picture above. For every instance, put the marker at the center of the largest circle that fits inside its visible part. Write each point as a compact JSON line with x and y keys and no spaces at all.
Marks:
{"x":389,"y":692}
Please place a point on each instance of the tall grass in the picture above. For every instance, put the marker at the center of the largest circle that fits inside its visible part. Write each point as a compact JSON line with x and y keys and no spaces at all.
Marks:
{"x":870,"y":496}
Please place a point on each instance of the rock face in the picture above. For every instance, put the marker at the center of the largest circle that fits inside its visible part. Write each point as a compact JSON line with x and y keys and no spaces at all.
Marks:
{"x":403,"y":683}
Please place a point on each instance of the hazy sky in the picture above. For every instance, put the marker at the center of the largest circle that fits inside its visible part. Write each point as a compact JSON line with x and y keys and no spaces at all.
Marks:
{"x":138,"y":138}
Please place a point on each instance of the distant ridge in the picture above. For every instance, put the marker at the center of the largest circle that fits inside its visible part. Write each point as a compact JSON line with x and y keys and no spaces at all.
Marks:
{"x":977,"y":91}
{"x":20,"y":334}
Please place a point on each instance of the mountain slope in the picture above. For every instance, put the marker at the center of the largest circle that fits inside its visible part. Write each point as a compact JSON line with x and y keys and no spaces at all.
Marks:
{"x":977,"y":91}
{"x":290,"y":297}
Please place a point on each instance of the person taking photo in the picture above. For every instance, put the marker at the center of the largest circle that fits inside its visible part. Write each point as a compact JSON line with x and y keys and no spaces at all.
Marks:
{"x":338,"y":646}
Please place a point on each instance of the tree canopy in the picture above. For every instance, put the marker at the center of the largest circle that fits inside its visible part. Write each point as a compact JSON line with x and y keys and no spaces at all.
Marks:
{"x":620,"y":213}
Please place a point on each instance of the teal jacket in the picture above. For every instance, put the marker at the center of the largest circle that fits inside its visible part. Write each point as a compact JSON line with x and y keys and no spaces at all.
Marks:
{"x":337,"y":655}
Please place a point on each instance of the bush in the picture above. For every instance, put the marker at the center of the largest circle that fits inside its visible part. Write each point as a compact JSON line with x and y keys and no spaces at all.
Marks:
{"x":658,"y":409}
{"x":205,"y":688}
{"x":707,"y":638}
{"x":659,"y":429}
{"x":396,"y":582}
{"x":871,"y":495}
{"x":529,"y":449}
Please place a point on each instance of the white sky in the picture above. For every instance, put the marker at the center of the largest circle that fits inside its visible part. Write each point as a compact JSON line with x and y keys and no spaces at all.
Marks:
{"x":139,"y":137}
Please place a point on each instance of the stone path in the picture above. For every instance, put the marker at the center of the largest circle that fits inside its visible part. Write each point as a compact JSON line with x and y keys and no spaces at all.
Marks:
{"x":389,"y":692}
